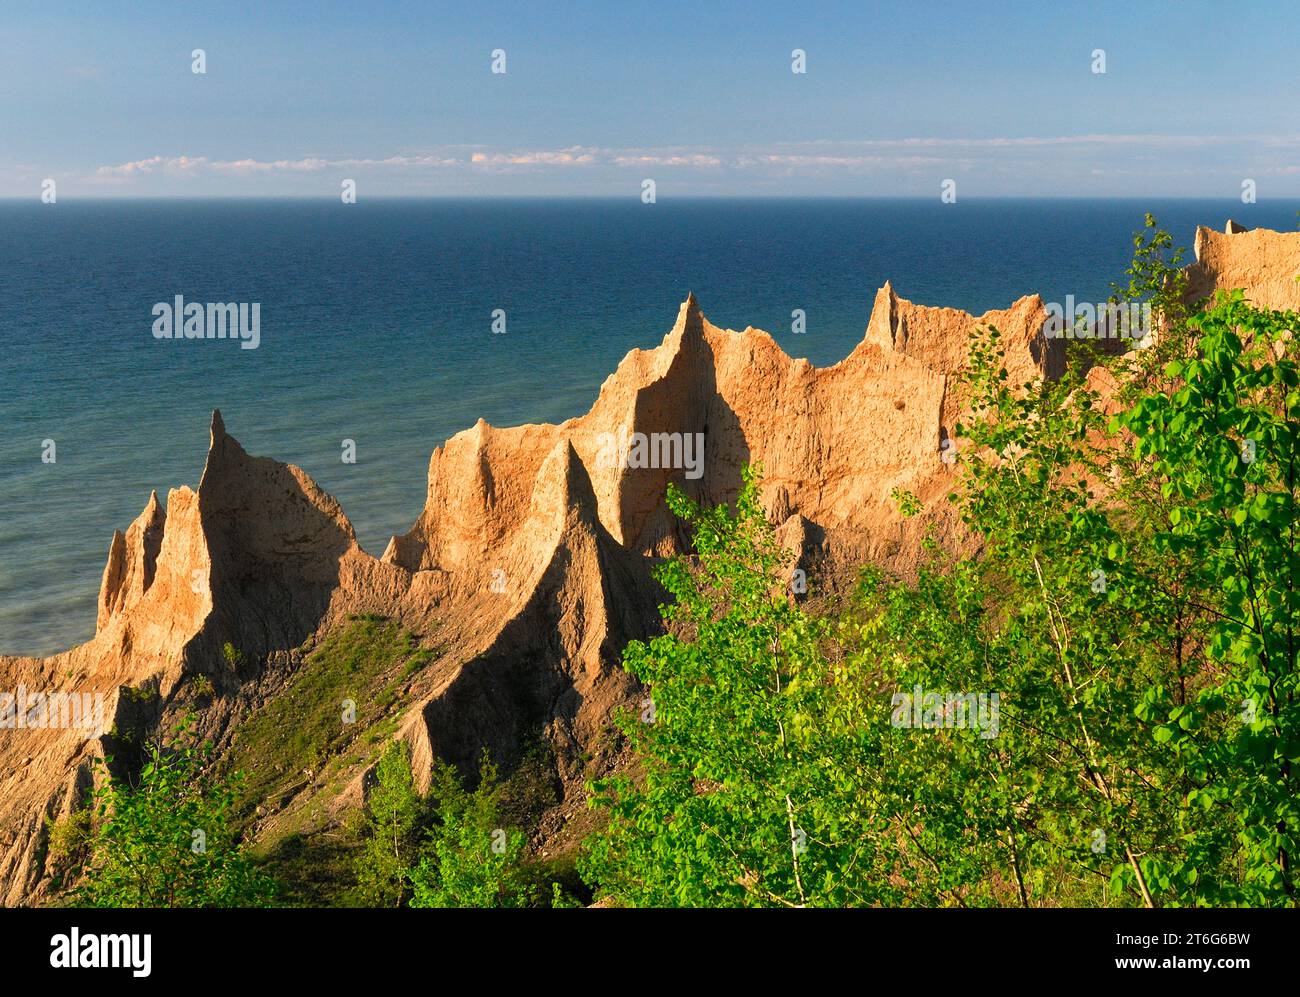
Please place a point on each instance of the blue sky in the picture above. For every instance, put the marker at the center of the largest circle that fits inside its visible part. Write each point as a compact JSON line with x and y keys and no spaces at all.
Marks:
{"x":700,"y":97}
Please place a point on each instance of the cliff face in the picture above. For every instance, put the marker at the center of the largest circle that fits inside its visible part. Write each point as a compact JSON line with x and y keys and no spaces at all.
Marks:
{"x":832,"y":442}
{"x":532,"y":556}
{"x":1262,"y":262}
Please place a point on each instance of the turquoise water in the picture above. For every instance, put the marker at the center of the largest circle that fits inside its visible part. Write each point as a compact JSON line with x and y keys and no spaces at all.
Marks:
{"x":376,"y":326}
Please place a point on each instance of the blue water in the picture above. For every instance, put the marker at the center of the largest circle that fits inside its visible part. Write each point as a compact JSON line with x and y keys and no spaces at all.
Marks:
{"x":376,"y":326}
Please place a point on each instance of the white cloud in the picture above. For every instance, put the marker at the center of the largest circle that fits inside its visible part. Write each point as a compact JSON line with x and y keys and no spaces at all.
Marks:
{"x":1062,"y":156}
{"x":155,"y":164}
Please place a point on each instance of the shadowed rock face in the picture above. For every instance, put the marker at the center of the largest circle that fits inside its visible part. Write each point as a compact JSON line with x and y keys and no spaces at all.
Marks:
{"x":833,"y":442}
{"x":132,"y":561}
{"x":534,"y":550}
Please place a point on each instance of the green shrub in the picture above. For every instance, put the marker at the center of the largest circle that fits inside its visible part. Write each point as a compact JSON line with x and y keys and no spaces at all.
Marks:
{"x":167,"y":841}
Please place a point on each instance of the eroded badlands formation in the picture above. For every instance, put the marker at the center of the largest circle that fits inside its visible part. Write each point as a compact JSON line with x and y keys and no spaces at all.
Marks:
{"x":531,"y":559}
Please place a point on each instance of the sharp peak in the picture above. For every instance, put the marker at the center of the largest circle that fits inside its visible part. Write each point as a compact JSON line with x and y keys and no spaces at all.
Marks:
{"x":563,"y":459}
{"x":221,"y":440}
{"x":689,"y":316}
{"x":563,"y":482}
{"x":222,"y":447}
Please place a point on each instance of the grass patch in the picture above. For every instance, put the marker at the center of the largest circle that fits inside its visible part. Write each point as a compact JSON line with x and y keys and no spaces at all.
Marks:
{"x":313,"y":869}
{"x":287,"y":744}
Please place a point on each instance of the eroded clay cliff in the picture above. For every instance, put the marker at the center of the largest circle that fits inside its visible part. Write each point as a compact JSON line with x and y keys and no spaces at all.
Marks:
{"x":532,"y":557}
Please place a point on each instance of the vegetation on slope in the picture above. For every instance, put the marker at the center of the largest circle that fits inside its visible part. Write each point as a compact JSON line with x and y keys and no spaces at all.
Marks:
{"x":451,"y":847}
{"x":348,"y":686}
{"x":303,"y":748}
{"x":167,"y":840}
{"x":1100,"y":710}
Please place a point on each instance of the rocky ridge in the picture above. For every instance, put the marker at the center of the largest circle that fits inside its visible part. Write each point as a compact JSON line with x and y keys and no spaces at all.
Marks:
{"x":532,"y":557}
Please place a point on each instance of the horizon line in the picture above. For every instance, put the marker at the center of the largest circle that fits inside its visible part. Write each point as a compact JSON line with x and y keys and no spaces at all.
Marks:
{"x":634,"y":198}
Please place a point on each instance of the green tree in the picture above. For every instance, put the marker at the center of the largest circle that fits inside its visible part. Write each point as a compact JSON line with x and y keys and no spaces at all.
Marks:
{"x":1064,"y":635}
{"x":1156,"y":277}
{"x":1135,"y":604}
{"x":753,"y":744}
{"x":469,"y":859}
{"x":390,"y":832}
{"x":168,"y":841}
{"x":1224,"y":446}
{"x":1132,"y":608}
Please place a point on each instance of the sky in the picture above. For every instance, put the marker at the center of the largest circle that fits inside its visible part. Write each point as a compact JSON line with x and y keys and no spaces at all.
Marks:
{"x":700,"y":97}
